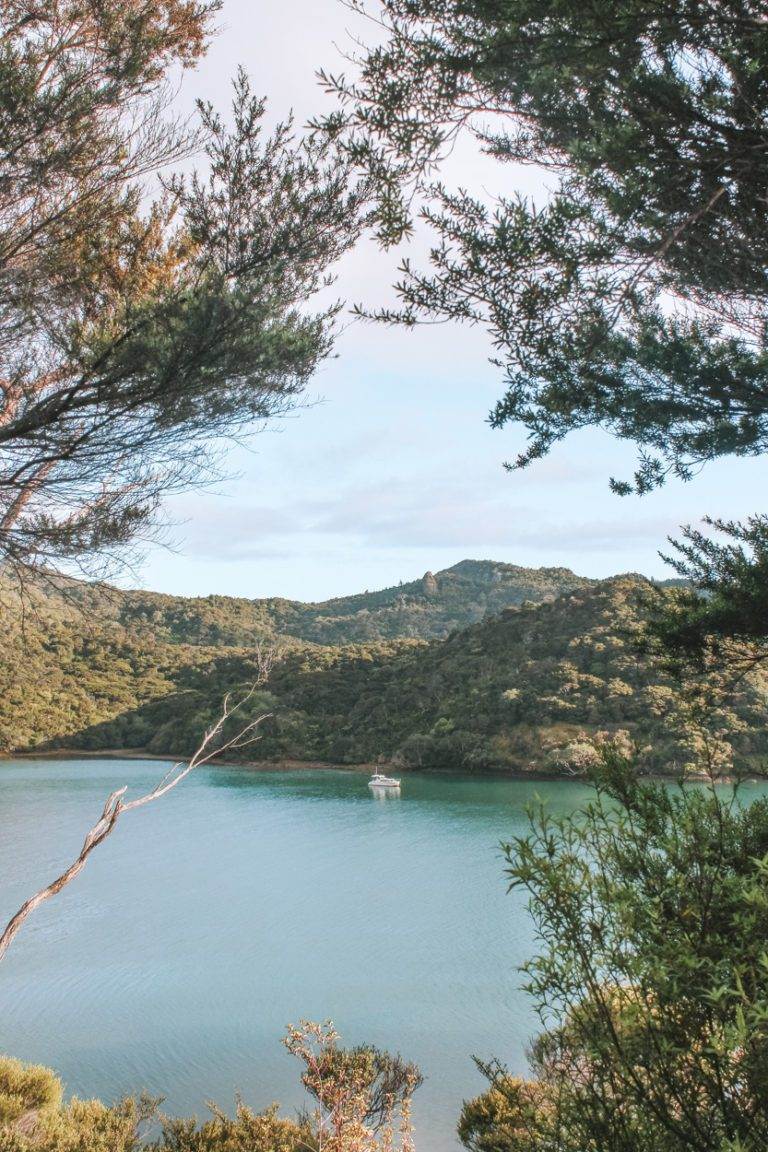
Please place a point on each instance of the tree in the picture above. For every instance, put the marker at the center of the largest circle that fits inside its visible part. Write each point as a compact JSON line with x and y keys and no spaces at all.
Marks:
{"x":721,"y":618}
{"x":134,"y":330}
{"x":650,"y":979}
{"x":634,"y":300}
{"x":359,"y":1091}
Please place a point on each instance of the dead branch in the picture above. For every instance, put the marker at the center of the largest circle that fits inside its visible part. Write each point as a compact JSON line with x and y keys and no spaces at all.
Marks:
{"x":116,"y":806}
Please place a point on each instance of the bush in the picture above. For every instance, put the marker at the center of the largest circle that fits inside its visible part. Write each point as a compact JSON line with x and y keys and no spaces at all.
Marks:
{"x":651,"y":910}
{"x":26,"y":1088}
{"x":90,"y":1126}
{"x":506,"y":1118}
{"x":247,"y":1132}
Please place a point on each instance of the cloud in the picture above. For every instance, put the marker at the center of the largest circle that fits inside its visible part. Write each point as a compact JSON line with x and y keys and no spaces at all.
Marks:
{"x":559,"y":469}
{"x":403,"y":515}
{"x":610,"y":534}
{"x":210,"y":528}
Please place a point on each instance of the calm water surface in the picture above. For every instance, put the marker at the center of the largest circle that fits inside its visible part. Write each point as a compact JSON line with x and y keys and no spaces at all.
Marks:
{"x":247,"y":900}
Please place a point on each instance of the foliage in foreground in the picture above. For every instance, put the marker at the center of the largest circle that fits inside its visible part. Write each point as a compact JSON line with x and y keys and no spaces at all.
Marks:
{"x":721,"y":620}
{"x":651,"y":976}
{"x":25,"y":1088}
{"x":136,"y":327}
{"x":651,"y":119}
{"x":635,"y":299}
{"x":362,"y":1098}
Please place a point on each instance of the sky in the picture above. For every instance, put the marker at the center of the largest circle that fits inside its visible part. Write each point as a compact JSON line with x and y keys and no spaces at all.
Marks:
{"x":390,"y":469}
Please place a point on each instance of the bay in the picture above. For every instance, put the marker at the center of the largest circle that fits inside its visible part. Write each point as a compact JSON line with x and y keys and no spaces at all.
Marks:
{"x":246,"y":900}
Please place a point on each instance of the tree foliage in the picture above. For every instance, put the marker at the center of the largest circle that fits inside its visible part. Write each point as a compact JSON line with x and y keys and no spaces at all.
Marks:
{"x":636,"y":298}
{"x":135,"y":330}
{"x":650,"y":976}
{"x":359,"y":1091}
{"x":722,"y":618}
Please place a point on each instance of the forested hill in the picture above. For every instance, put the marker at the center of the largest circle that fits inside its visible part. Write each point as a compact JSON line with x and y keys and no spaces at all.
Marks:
{"x":514,"y":691}
{"x":429,"y":608}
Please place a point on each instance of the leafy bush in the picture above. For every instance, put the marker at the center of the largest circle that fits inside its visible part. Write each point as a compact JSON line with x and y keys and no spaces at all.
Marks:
{"x":81,"y":1126}
{"x":26,"y":1088}
{"x":247,"y":1131}
{"x":651,"y":909}
{"x":506,"y":1118}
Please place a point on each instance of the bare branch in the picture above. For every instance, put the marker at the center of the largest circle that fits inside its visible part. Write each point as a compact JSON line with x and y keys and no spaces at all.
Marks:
{"x":115,"y":806}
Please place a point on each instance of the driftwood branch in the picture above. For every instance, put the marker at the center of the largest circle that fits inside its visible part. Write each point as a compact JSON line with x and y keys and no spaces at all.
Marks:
{"x":116,"y":806}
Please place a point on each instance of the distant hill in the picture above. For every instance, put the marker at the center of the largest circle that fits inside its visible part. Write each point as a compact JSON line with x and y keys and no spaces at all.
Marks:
{"x":424,"y":609}
{"x":514,"y":690}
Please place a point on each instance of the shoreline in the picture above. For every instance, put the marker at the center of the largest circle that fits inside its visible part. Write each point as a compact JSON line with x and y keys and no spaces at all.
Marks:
{"x":281,"y":765}
{"x":360,"y":769}
{"x":132,"y":754}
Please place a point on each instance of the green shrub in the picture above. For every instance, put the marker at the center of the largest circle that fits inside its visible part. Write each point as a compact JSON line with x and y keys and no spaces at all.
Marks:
{"x":506,"y":1118}
{"x":651,"y":912}
{"x":26,"y":1088}
{"x":85,"y":1126}
{"x":359,"y":1092}
{"x":90,"y":1126}
{"x":247,"y":1132}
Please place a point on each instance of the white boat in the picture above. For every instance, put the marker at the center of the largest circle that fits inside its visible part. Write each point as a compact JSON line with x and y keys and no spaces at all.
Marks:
{"x":380,"y":781}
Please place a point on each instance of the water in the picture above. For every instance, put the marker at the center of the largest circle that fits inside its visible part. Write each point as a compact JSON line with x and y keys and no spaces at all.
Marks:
{"x":246,"y":900}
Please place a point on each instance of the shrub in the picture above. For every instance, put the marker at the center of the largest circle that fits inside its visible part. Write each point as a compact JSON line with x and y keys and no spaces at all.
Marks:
{"x":247,"y":1132}
{"x":651,"y":911}
{"x":90,"y":1126}
{"x":506,"y":1118}
{"x":26,"y":1088}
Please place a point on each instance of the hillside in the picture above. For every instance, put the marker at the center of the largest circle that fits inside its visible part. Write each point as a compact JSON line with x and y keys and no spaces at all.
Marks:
{"x":425,"y":609}
{"x":512,"y":691}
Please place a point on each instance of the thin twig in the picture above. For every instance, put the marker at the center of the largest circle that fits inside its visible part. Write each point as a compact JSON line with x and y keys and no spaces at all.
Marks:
{"x":115,"y":806}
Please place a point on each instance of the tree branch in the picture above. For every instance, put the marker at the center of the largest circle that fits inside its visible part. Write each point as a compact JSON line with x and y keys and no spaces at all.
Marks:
{"x":115,"y":806}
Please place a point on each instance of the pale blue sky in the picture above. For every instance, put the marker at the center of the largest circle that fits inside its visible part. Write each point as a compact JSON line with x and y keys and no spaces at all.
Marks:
{"x":394,"y":469}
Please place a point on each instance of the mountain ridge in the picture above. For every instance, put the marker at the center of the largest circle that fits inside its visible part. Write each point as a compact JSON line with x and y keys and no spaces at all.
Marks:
{"x":459,"y":595}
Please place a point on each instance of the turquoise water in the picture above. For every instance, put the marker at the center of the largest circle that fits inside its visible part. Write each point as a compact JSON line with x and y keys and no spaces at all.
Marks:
{"x":244,"y":901}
